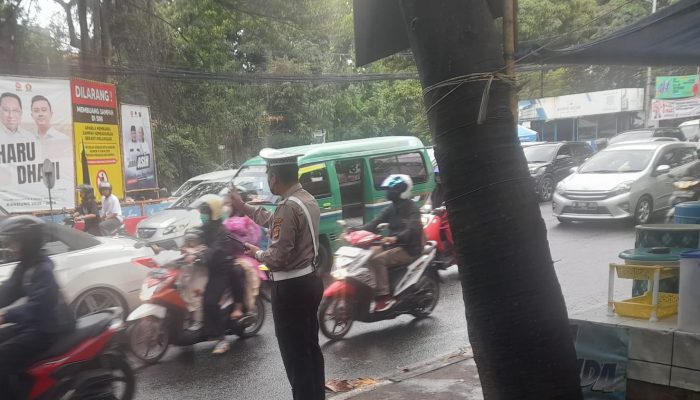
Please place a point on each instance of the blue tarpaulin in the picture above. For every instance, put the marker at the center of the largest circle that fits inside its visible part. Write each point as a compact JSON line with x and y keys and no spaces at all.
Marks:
{"x":526,"y":135}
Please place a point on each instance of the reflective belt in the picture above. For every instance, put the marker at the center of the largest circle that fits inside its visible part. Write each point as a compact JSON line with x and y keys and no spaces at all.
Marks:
{"x":311,"y":227}
{"x":284,"y":275}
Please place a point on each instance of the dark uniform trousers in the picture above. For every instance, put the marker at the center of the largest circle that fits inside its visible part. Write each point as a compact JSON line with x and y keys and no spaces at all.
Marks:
{"x":19,"y":346}
{"x":294,"y":306}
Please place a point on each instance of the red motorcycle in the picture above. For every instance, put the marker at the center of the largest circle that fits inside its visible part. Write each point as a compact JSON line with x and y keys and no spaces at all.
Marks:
{"x":87,"y":363}
{"x":437,"y":229}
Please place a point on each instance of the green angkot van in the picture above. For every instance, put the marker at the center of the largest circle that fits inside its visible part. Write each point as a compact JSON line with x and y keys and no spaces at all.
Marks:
{"x":345,"y":178}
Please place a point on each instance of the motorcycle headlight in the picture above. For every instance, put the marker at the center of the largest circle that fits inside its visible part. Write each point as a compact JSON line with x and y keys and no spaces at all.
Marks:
{"x":685,"y":184}
{"x":624,"y":187}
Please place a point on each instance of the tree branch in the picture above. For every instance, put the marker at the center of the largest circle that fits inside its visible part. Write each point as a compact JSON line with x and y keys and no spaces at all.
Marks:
{"x":69,"y":19}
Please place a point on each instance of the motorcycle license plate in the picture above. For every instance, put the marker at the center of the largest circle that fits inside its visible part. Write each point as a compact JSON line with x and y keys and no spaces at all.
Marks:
{"x":585,"y":205}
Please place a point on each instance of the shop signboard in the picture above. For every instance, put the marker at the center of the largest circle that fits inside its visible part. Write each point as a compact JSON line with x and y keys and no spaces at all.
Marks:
{"x":677,"y":87}
{"x":96,"y":130}
{"x":671,"y":109}
{"x":582,"y":104}
{"x":602,"y":356}
{"x":35,"y":124}
{"x":137,"y":143}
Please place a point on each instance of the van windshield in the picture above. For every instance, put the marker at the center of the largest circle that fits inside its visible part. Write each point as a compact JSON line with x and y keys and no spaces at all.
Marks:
{"x":188,"y":199}
{"x":253,"y":179}
{"x":185,"y":187}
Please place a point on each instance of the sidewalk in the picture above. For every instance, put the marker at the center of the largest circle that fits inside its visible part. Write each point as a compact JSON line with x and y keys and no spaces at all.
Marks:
{"x":450,"y":377}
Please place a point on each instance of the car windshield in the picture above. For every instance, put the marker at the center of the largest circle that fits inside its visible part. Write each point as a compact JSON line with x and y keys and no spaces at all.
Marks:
{"x":186,"y":187}
{"x":617,"y":161}
{"x":540,"y":153}
{"x":253,"y":179}
{"x":692,"y":132}
{"x":188,"y":199}
{"x":629,"y":136}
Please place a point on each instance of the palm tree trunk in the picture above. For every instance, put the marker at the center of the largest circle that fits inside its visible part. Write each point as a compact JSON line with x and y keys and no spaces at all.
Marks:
{"x":516,"y":316}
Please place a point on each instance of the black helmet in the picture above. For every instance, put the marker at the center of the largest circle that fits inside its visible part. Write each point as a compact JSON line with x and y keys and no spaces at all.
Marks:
{"x":28,"y":230}
{"x":85,"y":189}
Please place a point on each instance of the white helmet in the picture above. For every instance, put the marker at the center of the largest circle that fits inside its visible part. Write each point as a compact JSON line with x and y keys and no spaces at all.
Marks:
{"x":399,"y":183}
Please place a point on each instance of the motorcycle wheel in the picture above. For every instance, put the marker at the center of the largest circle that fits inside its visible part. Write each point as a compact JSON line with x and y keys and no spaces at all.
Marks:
{"x":427,"y":295}
{"x":121,"y":387}
{"x":254,"y":327}
{"x":148,"y":339}
{"x":335,"y":318}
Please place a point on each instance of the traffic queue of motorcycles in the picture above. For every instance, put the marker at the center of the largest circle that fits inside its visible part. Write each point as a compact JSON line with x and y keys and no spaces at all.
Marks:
{"x":92,"y":362}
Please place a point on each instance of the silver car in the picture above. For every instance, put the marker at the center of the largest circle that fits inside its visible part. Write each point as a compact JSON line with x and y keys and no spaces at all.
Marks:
{"x":625,"y":181}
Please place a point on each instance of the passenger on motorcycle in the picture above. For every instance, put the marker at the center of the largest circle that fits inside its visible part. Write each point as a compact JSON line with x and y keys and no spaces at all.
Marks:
{"x":89,"y":210}
{"x":405,"y":240}
{"x":37,"y":323}
{"x":111,"y":212}
{"x":219,"y":257}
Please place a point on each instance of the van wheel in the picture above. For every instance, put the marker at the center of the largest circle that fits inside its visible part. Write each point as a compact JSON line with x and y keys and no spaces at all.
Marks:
{"x":325,"y":257}
{"x":643,"y":211}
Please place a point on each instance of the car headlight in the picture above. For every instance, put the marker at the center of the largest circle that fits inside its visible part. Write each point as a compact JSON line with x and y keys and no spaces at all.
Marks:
{"x":560,"y":189}
{"x":537,"y":170}
{"x":624,"y":187}
{"x":685,"y":184}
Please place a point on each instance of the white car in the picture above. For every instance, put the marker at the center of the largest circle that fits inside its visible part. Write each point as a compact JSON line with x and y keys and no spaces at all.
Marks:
{"x":624,"y":181}
{"x":94,"y":272}
{"x":227,"y":174}
{"x":167,"y":228}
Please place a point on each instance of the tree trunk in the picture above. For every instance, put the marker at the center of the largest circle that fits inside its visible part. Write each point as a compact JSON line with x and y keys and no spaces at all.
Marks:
{"x":84,"y":30}
{"x":67,"y":6}
{"x":106,"y":38}
{"x":516,"y":316}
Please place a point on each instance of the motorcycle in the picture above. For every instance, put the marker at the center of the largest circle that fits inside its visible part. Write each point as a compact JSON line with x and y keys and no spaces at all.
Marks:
{"x":437,"y":229}
{"x":349,"y":298}
{"x":171,"y":312}
{"x":87,"y":363}
{"x":686,"y":189}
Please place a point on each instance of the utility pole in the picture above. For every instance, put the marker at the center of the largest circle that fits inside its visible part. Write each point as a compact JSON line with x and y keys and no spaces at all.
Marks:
{"x":509,"y":43}
{"x":650,"y":85}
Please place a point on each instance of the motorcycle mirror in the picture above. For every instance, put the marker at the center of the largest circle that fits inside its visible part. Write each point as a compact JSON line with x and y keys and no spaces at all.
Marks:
{"x":382,"y":226}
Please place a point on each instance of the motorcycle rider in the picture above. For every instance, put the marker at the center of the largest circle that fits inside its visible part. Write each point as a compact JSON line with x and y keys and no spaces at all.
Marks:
{"x":45,"y":315}
{"x":111,"y":212}
{"x":219,"y":257}
{"x":89,"y":211}
{"x":405,"y":240}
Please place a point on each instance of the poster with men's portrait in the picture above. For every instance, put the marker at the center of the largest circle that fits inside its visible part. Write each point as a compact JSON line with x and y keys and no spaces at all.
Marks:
{"x":35,"y":124}
{"x":137,"y":145}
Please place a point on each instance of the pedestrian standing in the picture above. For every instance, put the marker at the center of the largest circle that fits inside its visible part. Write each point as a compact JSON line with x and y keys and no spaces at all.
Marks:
{"x":291,"y":257}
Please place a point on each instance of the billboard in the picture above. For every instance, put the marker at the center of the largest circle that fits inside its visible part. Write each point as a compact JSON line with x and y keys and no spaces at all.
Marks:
{"x":96,"y":134}
{"x":582,"y":104}
{"x":671,"y":109}
{"x":137,"y":144}
{"x":677,"y":87}
{"x":35,"y":124}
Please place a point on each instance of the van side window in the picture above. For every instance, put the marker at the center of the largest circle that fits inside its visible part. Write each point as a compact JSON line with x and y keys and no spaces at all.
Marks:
{"x":411,"y":164}
{"x":314,"y":179}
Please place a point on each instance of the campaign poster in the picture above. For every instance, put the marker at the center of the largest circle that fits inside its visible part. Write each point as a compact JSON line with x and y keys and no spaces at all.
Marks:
{"x":96,"y":135}
{"x":137,"y":145}
{"x":35,"y":124}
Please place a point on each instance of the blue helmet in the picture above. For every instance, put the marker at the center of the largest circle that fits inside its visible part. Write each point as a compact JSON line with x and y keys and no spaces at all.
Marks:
{"x":403,"y":184}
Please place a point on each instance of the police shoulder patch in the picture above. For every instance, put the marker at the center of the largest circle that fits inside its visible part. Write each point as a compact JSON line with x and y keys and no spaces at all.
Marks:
{"x":276,"y":228}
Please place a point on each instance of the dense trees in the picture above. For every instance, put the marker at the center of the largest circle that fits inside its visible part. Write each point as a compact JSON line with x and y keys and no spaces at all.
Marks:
{"x":131,"y":42}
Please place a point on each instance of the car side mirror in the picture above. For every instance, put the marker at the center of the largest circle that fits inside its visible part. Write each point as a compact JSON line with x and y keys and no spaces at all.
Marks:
{"x":573,"y":170}
{"x":563,"y":157}
{"x":662,"y":169}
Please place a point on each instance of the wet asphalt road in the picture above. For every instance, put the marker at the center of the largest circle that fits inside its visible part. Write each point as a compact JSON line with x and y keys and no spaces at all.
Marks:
{"x":253,"y":370}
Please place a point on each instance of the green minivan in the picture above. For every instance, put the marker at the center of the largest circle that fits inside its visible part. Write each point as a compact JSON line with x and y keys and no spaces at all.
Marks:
{"x":345,"y":178}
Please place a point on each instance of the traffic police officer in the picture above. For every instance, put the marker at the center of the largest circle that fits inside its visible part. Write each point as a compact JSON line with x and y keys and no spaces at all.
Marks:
{"x":291,"y":256}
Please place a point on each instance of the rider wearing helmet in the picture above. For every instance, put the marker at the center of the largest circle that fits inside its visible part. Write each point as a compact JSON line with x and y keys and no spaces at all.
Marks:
{"x":219,"y":257}
{"x":111,"y":213}
{"x":37,"y":323}
{"x":89,"y":210}
{"x":405,"y":240}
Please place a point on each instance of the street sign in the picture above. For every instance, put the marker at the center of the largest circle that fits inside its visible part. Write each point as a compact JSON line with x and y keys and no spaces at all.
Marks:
{"x":49,"y":174}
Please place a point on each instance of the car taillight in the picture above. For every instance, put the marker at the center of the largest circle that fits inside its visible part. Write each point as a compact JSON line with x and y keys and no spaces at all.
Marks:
{"x":147,"y":262}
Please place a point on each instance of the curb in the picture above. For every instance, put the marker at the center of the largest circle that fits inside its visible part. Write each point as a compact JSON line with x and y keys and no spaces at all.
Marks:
{"x":410,"y":371}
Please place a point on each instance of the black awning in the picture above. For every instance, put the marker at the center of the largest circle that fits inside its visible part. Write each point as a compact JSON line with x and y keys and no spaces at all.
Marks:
{"x":668,"y":37}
